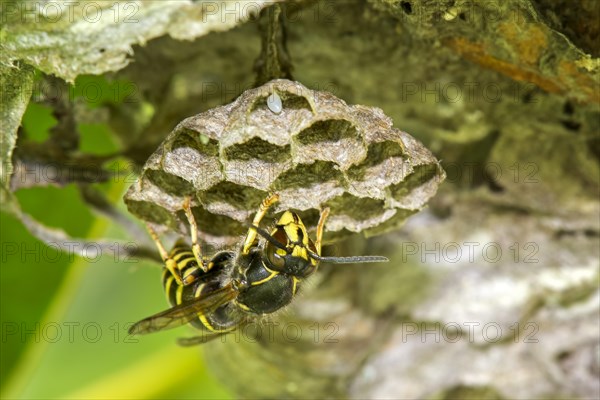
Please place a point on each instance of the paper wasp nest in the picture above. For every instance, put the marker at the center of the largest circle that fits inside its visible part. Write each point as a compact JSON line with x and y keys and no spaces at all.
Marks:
{"x":312,"y":148}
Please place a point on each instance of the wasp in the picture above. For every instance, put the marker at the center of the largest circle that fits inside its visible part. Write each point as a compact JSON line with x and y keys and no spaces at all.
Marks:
{"x":220,"y":294}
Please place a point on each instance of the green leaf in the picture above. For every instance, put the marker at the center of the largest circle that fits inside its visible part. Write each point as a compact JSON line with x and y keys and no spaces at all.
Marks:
{"x":37,"y":122}
{"x":96,"y":139}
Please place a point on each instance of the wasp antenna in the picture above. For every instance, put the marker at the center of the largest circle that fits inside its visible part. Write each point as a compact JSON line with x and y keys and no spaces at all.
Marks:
{"x":354,"y":260}
{"x":349,"y":260}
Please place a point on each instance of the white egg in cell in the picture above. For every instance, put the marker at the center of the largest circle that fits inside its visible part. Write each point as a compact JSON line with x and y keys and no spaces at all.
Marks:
{"x":274,"y":103}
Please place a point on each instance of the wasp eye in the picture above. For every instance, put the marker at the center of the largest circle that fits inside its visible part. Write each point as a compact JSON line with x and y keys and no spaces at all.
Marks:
{"x":277,"y":261}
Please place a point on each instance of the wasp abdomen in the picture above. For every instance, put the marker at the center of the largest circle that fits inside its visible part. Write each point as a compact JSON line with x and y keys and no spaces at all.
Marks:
{"x":223,"y":318}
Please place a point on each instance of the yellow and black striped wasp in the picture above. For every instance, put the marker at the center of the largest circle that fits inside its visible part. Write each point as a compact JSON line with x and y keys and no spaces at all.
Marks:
{"x":220,"y":294}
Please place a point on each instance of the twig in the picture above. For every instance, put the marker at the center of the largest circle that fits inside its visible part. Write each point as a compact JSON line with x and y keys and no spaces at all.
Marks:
{"x":57,"y":238}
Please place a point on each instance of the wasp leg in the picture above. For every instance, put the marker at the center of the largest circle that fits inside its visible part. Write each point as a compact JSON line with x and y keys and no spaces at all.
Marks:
{"x":320,"y":226}
{"x":170,"y":264}
{"x":195,"y":244}
{"x":262,"y":210}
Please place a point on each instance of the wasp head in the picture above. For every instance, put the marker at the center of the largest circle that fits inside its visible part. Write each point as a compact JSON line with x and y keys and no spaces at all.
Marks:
{"x":289,"y":251}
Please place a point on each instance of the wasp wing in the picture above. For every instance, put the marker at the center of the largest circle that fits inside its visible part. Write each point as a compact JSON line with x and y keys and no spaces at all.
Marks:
{"x":196,"y":340}
{"x":183,"y":313}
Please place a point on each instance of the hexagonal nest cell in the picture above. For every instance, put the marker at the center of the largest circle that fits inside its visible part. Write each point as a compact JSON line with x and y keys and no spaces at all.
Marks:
{"x":316,"y":152}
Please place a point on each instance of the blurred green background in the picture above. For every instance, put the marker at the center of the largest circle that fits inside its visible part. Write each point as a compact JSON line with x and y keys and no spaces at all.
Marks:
{"x":65,"y":317}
